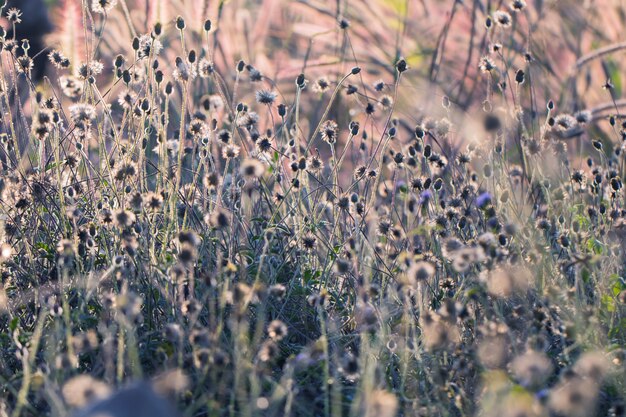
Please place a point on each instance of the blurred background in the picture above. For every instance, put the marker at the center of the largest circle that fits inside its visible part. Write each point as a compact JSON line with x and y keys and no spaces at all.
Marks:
{"x":559,"y":44}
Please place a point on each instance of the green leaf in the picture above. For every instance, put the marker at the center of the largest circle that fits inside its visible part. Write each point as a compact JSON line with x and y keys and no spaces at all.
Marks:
{"x":608,"y":303}
{"x":13,"y":324}
{"x":595,"y":246}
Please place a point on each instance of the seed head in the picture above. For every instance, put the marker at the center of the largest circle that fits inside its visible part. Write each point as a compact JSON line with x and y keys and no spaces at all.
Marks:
{"x":321,"y":85}
{"x":14,"y":15}
{"x":265,"y":97}
{"x":103,"y":6}
{"x":502,"y":19}
{"x":329,"y":131}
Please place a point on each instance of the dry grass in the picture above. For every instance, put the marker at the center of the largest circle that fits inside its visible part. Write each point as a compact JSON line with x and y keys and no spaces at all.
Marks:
{"x":303,"y":208}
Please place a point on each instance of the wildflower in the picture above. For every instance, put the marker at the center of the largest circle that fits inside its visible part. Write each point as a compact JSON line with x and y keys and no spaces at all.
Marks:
{"x":532,"y":369}
{"x":517,"y":5}
{"x":268,"y":352}
{"x":401,"y":65}
{"x":71,"y":86}
{"x":321,"y":85}
{"x":366,"y":318}
{"x":230,"y":151}
{"x":103,"y":6}
{"x":90,"y":69}
{"x":359,"y":172}
{"x":212,"y":180}
{"x":483,"y":200}
{"x":502,"y":18}
{"x":153,"y":201}
{"x":83,"y":389}
{"x":197,"y":127}
{"x":59,"y":60}
{"x":277,"y":330}
{"x":127,"y":99}
{"x":187,"y":254}
{"x":443,"y":127}
{"x":191,"y":307}
{"x":148,"y":46}
{"x":24,"y":64}
{"x":201,"y":358}
{"x":248,"y":119}
{"x":385,"y":101}
{"x":308,"y":241}
{"x":564,"y":122}
{"x":224,"y":136}
{"x":486,"y":64}
{"x":329,"y":131}
{"x":593,"y":365}
{"x":315,"y":164}
{"x":126,"y":171}
{"x":14,"y":15}
{"x":82,"y":113}
{"x":205,"y":68}
{"x":574,"y":397}
{"x":277,"y":290}
{"x":419,"y":272}
{"x":384,"y":227}
{"x":583,"y":117}
{"x":65,"y":248}
{"x":129,"y":305}
{"x":252,"y":168}
{"x":212,"y":102}
{"x":504,"y":281}
{"x":124,"y":218}
{"x":425,"y":197}
{"x":185,"y":71}
{"x":219,"y":219}
{"x":437,"y":333}
{"x":265,"y":97}
{"x":492,"y":351}
{"x":451,"y":247}
{"x":255,"y":74}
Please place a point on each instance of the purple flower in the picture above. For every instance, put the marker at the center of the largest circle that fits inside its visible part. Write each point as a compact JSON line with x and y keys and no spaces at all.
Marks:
{"x":483,"y":200}
{"x":425,"y":197}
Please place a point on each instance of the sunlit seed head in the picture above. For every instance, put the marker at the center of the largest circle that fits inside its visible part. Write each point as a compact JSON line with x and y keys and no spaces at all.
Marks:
{"x":277,"y":330}
{"x":502,"y":19}
{"x":265,"y":97}
{"x":103,"y":6}
{"x":83,"y":389}
{"x":329,"y":131}
{"x":14,"y":15}
{"x":517,"y":5}
{"x":321,"y":85}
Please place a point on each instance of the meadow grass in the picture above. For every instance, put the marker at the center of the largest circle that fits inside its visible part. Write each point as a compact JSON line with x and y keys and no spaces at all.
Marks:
{"x":367,"y":237}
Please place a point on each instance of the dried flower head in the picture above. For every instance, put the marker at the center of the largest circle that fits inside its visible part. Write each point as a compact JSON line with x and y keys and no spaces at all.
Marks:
{"x":102,"y":6}
{"x":252,"y":168}
{"x":265,"y":97}
{"x":532,"y":369}
{"x":321,"y":85}
{"x":329,"y":131}
{"x":517,"y":5}
{"x":83,"y":389}
{"x":277,"y":330}
{"x":14,"y":15}
{"x":502,"y":18}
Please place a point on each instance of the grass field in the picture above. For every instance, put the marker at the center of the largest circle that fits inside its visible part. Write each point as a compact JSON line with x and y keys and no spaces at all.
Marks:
{"x":311,"y":208}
